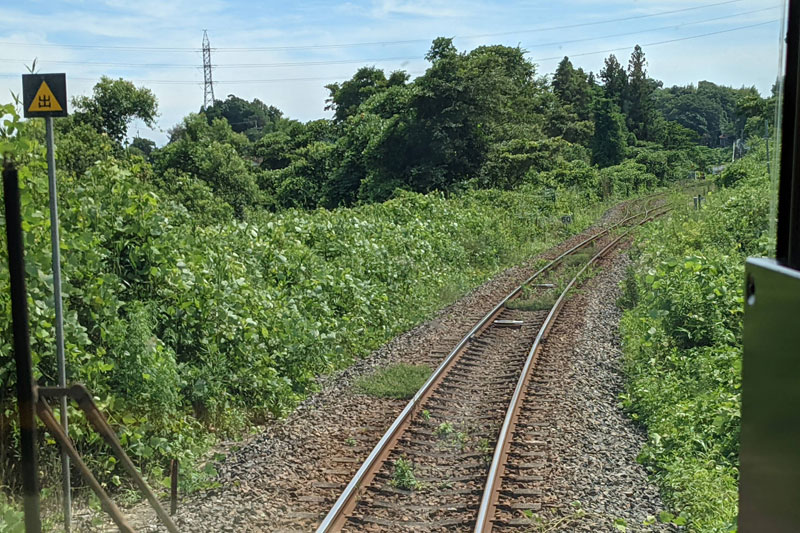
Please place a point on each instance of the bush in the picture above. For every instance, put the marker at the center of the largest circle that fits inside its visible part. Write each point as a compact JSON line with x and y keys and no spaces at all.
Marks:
{"x":12,"y":520}
{"x":682,"y":345}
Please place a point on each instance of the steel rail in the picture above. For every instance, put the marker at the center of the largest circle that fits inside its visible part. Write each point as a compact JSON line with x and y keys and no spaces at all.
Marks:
{"x":484,"y":522}
{"x":335,"y":518}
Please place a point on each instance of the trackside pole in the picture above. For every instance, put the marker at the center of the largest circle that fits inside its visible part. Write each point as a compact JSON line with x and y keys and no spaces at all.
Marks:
{"x":26,"y":390}
{"x":62,"y":370}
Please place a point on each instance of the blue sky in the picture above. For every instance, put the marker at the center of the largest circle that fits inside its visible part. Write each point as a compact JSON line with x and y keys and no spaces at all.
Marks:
{"x":284,"y":53}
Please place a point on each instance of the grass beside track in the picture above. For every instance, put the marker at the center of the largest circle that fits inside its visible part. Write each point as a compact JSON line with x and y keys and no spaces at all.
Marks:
{"x":400,"y":381}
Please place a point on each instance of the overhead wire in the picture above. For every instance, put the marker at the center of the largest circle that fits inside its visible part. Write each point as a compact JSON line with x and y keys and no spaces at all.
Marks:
{"x":658,"y":43}
{"x":481,"y":35}
{"x":374,"y":43}
{"x":334,"y":78}
{"x":370,"y":60}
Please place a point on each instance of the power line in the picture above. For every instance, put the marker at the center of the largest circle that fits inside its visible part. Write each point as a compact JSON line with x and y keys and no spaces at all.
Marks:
{"x":232,"y":65}
{"x":497,"y":34}
{"x":374,"y":43}
{"x":658,"y":42}
{"x":216,"y":82}
{"x":344,"y":77}
{"x":671,"y":26}
{"x":370,"y":60}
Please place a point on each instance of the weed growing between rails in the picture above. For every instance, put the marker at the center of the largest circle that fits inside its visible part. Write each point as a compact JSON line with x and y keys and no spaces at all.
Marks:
{"x":403,"y":477}
{"x":682,"y":342}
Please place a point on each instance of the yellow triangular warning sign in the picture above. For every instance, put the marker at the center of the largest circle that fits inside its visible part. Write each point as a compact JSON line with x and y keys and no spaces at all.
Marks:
{"x":44,"y":100}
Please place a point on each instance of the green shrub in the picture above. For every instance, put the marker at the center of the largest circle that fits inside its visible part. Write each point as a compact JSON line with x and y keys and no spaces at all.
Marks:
{"x":12,"y":519}
{"x":682,"y":345}
{"x":403,"y":476}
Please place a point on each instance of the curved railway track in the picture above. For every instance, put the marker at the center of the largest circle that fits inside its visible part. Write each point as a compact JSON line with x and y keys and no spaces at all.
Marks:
{"x":455,"y":458}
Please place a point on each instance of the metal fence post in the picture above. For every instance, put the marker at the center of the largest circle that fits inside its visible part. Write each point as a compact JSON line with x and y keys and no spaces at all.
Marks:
{"x":26,"y":387}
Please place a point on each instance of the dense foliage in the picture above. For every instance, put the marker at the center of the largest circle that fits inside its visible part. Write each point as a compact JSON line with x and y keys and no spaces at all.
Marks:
{"x":483,"y":118}
{"x":174,"y":321}
{"x":682,"y":342}
{"x":717,"y":114}
{"x":209,"y":281}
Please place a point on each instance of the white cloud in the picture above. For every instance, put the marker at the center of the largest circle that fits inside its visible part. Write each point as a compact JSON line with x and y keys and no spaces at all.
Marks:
{"x":735,"y":58}
{"x":418,"y":8}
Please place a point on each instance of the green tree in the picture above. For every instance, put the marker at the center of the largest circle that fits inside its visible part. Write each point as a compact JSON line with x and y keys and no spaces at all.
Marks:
{"x":81,"y":146}
{"x":673,"y":136}
{"x":142,"y":146}
{"x":350,"y":160}
{"x":610,"y":134}
{"x":113,"y":105}
{"x":212,"y":153}
{"x":300,"y":183}
{"x":436,"y":132}
{"x":718,"y":114}
{"x":457,"y":110}
{"x":615,"y":81}
{"x":254,"y":119}
{"x":573,"y":89}
{"x":345,"y":98}
{"x":640,"y":110}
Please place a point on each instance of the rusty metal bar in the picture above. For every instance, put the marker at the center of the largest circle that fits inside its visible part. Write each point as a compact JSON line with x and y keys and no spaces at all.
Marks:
{"x":83,"y":397}
{"x":173,"y":487}
{"x":46,"y":415}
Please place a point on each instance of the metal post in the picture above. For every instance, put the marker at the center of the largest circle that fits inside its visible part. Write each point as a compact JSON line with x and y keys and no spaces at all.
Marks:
{"x":173,"y":489}
{"x":788,"y":235}
{"x":26,"y":387}
{"x":62,"y":371}
{"x":766,"y":137}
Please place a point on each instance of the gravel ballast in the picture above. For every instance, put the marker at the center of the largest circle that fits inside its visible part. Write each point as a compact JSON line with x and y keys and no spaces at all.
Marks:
{"x":591,"y":480}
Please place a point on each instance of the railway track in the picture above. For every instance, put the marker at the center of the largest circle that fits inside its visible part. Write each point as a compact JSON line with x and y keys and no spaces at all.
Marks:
{"x":456,"y":459}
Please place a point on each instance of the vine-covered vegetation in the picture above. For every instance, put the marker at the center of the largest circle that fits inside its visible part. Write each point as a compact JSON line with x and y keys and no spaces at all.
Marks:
{"x":209,"y":281}
{"x":682,"y":342}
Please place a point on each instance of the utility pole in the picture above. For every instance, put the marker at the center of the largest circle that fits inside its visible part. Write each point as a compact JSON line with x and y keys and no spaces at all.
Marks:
{"x":208,"y":96}
{"x":766,"y":137}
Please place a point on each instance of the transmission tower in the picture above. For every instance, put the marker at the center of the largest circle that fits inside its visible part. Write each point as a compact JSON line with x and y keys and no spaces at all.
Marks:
{"x":208,"y":96}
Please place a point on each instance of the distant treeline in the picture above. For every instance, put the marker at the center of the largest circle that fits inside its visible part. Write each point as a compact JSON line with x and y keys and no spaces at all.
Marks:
{"x":478,"y":119}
